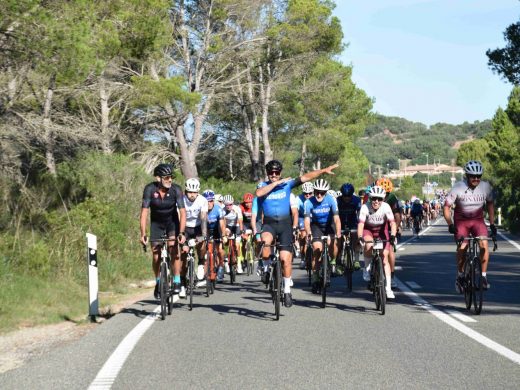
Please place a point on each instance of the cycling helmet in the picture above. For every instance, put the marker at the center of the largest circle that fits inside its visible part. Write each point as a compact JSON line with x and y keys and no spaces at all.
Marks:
{"x":162,"y":170}
{"x":367,"y":189}
{"x":321,"y":185}
{"x":377,"y":192}
{"x":338,"y":194}
{"x":209,"y":195}
{"x":332,"y":193}
{"x":248,"y":197}
{"x":474,"y":167}
{"x":228,"y":199}
{"x":386,"y":184}
{"x":273,"y":165}
{"x":417,"y":201}
{"x":307,"y":187}
{"x":192,"y":185}
{"x":347,"y":189}
{"x":218,"y":197}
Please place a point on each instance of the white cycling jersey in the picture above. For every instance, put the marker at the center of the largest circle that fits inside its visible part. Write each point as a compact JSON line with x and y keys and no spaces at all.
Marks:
{"x":469,"y":204}
{"x":374,"y":219}
{"x":232,"y":216}
{"x":194,"y":210}
{"x":294,"y":201}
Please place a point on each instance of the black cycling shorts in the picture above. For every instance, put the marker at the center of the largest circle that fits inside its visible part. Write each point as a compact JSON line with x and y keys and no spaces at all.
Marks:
{"x":193,"y":232}
{"x":157,"y":230}
{"x":318,"y":231}
{"x":280,"y":230}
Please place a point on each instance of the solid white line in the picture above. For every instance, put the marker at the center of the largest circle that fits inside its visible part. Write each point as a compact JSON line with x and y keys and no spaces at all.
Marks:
{"x":500,"y":349}
{"x":413,"y":285}
{"x":510,"y":241}
{"x":460,"y":316}
{"x":108,"y":373}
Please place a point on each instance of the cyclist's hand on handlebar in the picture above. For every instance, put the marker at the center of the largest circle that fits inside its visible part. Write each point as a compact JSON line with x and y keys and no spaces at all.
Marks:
{"x":452,"y":229}
{"x":224,"y":239}
{"x":493,"y":229}
{"x":181,"y":238}
{"x":361,"y":241}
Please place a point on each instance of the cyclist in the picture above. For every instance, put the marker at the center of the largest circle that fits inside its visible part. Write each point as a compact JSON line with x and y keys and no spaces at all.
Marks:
{"x":373,"y":223}
{"x":469,"y":197}
{"x":323,"y":210}
{"x":407,"y":207}
{"x":427,"y":210}
{"x":393,"y":202}
{"x":168,"y":215}
{"x":246,"y":207}
{"x":216,"y":227}
{"x":196,"y":227}
{"x":416,"y":212}
{"x":234,"y":226}
{"x":274,"y":203}
{"x":348,"y":208}
{"x":307,"y":192}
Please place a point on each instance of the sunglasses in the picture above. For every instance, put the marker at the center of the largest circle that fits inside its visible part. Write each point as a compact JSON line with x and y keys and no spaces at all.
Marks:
{"x":274,"y":173}
{"x":321,"y":193}
{"x":167,"y":178}
{"x":376,"y":199}
{"x":307,"y":194}
{"x":475,"y":176}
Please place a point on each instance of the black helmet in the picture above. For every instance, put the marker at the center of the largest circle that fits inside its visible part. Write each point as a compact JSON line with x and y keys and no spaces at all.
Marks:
{"x":163,"y":170}
{"x":273,"y":165}
{"x":347,"y":189}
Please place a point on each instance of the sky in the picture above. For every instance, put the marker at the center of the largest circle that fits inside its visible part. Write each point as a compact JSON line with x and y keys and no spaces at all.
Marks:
{"x":425,"y":60}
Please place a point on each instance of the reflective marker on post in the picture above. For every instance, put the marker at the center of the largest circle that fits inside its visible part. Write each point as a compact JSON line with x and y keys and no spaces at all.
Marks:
{"x":92,"y":275}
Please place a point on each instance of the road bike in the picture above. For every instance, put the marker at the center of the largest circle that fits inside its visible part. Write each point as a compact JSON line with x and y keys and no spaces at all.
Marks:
{"x":308,"y":261}
{"x":232,"y":258}
{"x":249,"y":257}
{"x":473,"y":293}
{"x":346,"y":254}
{"x":191,"y":277}
{"x":211,"y":264}
{"x":275,"y":279}
{"x":165,"y":276}
{"x":416,"y":225}
{"x":325,"y":270}
{"x":377,"y":282}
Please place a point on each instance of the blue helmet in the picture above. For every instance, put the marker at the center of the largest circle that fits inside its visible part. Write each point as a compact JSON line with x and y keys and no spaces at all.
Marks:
{"x":209,"y":195}
{"x":347,"y":189}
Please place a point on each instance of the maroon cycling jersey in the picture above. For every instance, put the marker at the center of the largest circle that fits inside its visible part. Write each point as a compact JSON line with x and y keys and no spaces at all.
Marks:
{"x":469,"y":203}
{"x":163,"y":209}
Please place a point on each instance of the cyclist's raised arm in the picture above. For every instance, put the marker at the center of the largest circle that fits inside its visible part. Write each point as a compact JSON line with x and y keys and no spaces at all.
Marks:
{"x":314,"y":174}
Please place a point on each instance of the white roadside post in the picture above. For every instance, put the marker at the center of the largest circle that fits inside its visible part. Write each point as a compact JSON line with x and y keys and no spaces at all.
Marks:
{"x":500,"y":216}
{"x":92,"y":276}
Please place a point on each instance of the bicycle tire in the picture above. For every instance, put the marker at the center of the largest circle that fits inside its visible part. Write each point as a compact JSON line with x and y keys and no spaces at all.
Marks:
{"x":308,"y":263}
{"x":324,"y":271}
{"x":163,"y":289}
{"x":191,"y":281}
{"x":232,"y":262}
{"x":210,"y":271}
{"x":208,"y":281}
{"x":478,"y":291}
{"x":381,"y":286}
{"x":249,"y":258}
{"x":349,"y":267}
{"x":468,"y":294}
{"x":278,"y":287}
{"x":170,"y":293}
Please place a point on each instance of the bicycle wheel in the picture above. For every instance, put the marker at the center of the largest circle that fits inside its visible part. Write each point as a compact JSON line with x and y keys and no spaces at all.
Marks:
{"x":379,"y":288}
{"x":212,"y":265}
{"x":249,"y":258}
{"x":324,"y":271}
{"x":163,"y":288}
{"x":277,"y":287}
{"x":170,"y":293}
{"x":308,"y":263}
{"x":468,"y":294}
{"x":232,"y":263}
{"x":191,"y":280}
{"x":349,"y":266}
{"x":207,"y":276}
{"x":478,"y":291}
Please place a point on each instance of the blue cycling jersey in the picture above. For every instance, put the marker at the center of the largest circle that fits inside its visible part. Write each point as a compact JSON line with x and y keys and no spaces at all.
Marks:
{"x":321,"y":213}
{"x":349,"y":211}
{"x":276,"y":205}
{"x":214,"y":216}
{"x":417,"y":209}
{"x":301,"y":207}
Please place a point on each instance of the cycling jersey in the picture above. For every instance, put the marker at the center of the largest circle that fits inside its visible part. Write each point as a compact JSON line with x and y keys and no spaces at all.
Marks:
{"x":348,"y":211}
{"x":246,"y":213}
{"x":232,"y":216}
{"x":194,"y":210}
{"x":214,"y":216}
{"x":374,"y":219}
{"x":469,"y":203}
{"x":321,"y":213}
{"x":393,"y":202}
{"x":163,"y":209}
{"x":416,"y":210}
{"x":276,"y":205}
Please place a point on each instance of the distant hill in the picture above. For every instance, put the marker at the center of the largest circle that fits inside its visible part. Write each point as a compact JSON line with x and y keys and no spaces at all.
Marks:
{"x":389,"y":139}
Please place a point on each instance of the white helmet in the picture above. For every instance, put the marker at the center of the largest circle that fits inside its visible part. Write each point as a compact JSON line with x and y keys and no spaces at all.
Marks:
{"x":332,"y":193}
{"x":321,"y":185}
{"x":228,"y":199}
{"x":307,"y":187}
{"x":377,"y":192}
{"x":473,"y":167}
{"x":338,"y":194}
{"x":218,"y":197}
{"x":192,"y":185}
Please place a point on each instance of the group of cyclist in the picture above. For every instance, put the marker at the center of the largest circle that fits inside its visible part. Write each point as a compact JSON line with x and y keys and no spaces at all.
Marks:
{"x":275,"y":214}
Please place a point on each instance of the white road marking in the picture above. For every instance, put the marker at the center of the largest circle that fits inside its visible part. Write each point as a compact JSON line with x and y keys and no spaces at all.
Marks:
{"x":413,"y":285}
{"x":108,"y":373}
{"x":510,"y":241}
{"x":461,"y":317}
{"x":401,"y":249}
{"x":493,"y":345}
{"x":398,"y":268}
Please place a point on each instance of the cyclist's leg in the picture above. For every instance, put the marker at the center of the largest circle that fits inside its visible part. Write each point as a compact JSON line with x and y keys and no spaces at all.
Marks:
{"x":285,"y":239}
{"x":356,"y":247}
{"x":267,"y":236}
{"x":367,"y":253}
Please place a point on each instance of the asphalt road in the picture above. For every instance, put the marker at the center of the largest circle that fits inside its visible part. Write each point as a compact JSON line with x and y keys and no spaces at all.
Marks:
{"x":426,"y":339}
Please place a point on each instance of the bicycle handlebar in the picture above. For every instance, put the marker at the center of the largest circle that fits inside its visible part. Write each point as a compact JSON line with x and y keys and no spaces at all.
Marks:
{"x":478,"y":238}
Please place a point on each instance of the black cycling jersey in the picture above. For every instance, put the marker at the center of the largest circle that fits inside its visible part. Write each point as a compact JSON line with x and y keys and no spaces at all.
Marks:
{"x":349,"y":211}
{"x":163,"y":209}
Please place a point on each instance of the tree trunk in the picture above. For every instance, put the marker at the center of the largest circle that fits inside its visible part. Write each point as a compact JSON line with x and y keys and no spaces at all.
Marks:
{"x":303,"y":157}
{"x":48,"y":137}
{"x":105,"y":112}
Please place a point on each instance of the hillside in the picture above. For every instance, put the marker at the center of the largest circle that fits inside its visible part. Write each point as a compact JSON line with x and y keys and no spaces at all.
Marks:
{"x":389,"y":139}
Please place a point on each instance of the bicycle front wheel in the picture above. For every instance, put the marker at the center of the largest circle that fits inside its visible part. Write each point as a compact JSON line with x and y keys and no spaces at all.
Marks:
{"x":379,"y":289}
{"x":349,"y":267}
{"x":324,"y":271}
{"x":468,"y":283}
{"x":308,"y":263}
{"x":163,"y":288}
{"x":277,"y":286}
{"x":478,"y":291}
{"x":191,"y":281}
